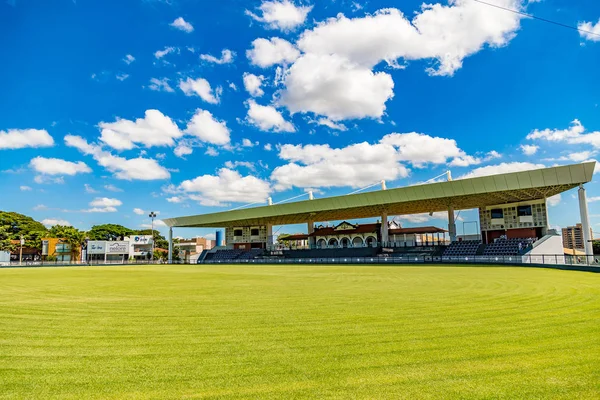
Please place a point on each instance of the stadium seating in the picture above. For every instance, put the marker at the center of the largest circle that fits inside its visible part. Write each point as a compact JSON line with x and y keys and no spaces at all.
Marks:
{"x":463,"y":248}
{"x":233,"y":254}
{"x":508,"y":247}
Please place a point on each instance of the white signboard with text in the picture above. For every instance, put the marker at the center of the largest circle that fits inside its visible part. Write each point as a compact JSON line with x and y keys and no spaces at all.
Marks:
{"x":117,"y":247}
{"x":96,"y":247}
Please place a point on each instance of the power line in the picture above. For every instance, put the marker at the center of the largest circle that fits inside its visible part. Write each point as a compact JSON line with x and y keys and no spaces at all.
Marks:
{"x":538,"y":18}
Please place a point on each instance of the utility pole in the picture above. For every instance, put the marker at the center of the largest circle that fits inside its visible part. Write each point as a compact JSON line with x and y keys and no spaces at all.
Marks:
{"x":152,"y":215}
{"x":21,"y":250}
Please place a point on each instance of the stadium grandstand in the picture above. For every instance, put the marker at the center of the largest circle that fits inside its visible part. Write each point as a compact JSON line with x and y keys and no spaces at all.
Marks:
{"x":513,"y":222}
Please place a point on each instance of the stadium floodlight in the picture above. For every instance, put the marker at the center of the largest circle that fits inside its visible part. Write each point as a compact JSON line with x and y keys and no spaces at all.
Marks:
{"x":152,"y":215}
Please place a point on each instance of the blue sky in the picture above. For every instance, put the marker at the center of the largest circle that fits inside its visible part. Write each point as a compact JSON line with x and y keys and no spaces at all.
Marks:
{"x":112,"y":108}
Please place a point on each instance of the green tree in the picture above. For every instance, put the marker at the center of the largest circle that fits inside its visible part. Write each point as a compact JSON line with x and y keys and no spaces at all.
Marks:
{"x":596,"y":245}
{"x":109,"y":232}
{"x":5,"y":244}
{"x":71,"y":236}
{"x":16,"y":224}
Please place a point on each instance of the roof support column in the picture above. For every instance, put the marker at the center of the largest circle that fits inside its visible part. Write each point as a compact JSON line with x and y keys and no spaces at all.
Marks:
{"x":170,"y":255}
{"x":451,"y":224}
{"x":310,"y":226}
{"x":585,"y":222}
{"x":384,"y":229}
{"x":269,"y":243}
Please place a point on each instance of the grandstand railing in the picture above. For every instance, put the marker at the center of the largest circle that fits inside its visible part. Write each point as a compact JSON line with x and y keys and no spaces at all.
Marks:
{"x":593,"y":261}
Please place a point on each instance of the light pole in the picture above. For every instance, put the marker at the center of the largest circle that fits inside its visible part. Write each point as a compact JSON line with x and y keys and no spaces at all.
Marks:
{"x":21,"y":241}
{"x":152,"y":215}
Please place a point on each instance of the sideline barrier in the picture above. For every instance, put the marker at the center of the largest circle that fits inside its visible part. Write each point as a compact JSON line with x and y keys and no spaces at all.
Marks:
{"x":537,"y":260}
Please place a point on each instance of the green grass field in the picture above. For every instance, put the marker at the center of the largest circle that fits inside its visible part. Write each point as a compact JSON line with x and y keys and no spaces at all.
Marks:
{"x":299,"y":332}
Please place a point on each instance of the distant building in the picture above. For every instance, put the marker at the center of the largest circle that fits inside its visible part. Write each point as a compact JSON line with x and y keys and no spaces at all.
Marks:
{"x":572,"y":237}
{"x":189,"y":248}
{"x":28,"y":253}
{"x":57,"y":247}
{"x":140,"y":246}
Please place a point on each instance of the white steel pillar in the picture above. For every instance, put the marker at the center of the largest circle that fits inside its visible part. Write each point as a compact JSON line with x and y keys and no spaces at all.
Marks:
{"x":451,"y":224}
{"x":170,"y":255}
{"x":384,"y":229}
{"x":585,"y":222}
{"x":310,"y":229}
{"x":269,"y":236}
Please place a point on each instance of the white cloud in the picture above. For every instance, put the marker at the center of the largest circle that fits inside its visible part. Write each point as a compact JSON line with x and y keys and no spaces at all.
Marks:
{"x":105,"y":202}
{"x":128,"y":169}
{"x":529,"y":149}
{"x":281,"y":14}
{"x":233,"y":87}
{"x":161,"y":53}
{"x":466,"y":160}
{"x":227,"y":57}
{"x":211,"y":151}
{"x":268,"y":147}
{"x":554,"y":200}
{"x":357,"y":165}
{"x":122,"y":77}
{"x":248,"y":143}
{"x":43,"y":179}
{"x":579,"y":156}
{"x":447,"y":34}
{"x":22,"y":138}
{"x":266,"y":53}
{"x":50,"y":222}
{"x":227,"y":186}
{"x":183,"y":150}
{"x":25,"y":188}
{"x":331,"y":125}
{"x":112,"y":188}
{"x":421,"y":149}
{"x":89,"y":189}
{"x":208,"y":129}
{"x":200,"y":87}
{"x":575,"y":134}
{"x":139,"y":211}
{"x":332,"y":86}
{"x":160,"y":85}
{"x":252,"y":84}
{"x":592,"y":32}
{"x":155,"y":129}
{"x":334,"y":76}
{"x":103,"y":205}
{"x":57,"y":166}
{"x":175,"y":199}
{"x":182,"y":25}
{"x":128,"y":59}
{"x":157,"y":224}
{"x":267,"y":118}
{"x":235,"y":164}
{"x":502,"y":168}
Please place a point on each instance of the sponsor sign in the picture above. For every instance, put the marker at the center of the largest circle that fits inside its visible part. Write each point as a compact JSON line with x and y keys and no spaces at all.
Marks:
{"x":117,"y":247}
{"x":146,"y":239}
{"x":96,"y":247}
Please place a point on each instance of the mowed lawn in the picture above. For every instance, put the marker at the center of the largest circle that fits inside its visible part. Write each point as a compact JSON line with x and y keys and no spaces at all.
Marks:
{"x":299,"y":332}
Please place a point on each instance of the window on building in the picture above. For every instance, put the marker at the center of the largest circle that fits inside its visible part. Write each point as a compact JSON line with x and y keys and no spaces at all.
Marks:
{"x":254,"y":232}
{"x":524,"y":211}
{"x":497,"y":213}
{"x":238,"y":232}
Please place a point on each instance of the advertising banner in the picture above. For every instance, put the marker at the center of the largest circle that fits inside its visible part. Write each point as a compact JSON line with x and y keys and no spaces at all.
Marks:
{"x":96,"y":247}
{"x":117,"y":247}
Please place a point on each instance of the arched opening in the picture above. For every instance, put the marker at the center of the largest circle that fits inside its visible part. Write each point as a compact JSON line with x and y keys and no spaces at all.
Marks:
{"x":321,"y":243}
{"x":333,"y":242}
{"x":345,"y":242}
{"x":371,"y":241}
{"x":357,"y":242}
